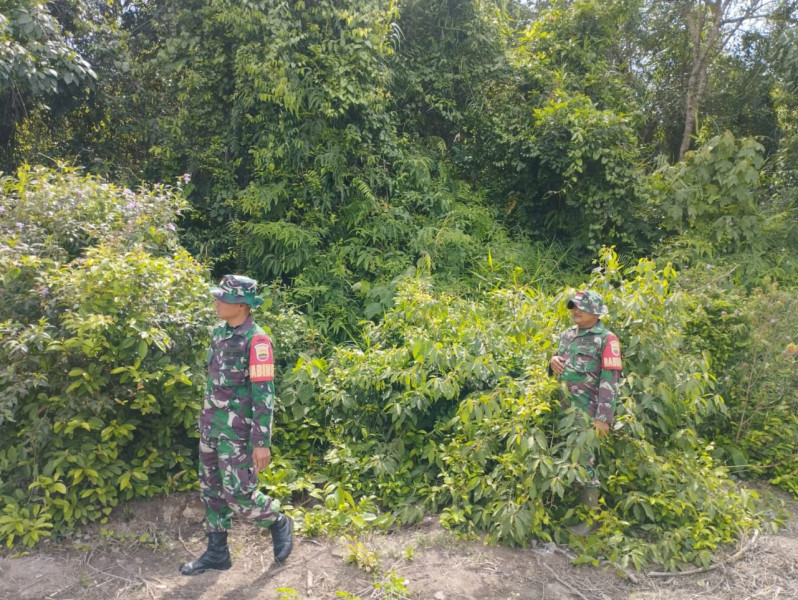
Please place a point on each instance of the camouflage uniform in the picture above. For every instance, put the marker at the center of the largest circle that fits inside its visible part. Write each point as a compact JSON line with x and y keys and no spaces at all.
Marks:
{"x":236,"y":417}
{"x":592,"y":369}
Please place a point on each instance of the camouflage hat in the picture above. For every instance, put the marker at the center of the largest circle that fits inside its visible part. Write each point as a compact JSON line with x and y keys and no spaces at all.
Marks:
{"x":237,"y":289}
{"x":589,"y":302}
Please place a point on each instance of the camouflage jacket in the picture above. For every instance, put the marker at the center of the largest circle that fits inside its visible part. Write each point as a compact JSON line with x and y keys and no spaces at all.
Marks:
{"x":239,"y":392}
{"x":592,"y":369}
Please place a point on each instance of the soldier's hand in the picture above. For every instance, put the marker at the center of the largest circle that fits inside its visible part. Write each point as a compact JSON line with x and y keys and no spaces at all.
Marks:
{"x":557,"y":364}
{"x":261,"y":457}
{"x":602,"y":428}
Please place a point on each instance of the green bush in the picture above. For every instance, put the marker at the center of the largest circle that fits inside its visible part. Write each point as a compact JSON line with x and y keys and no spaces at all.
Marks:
{"x":714,"y":192}
{"x":103,"y":326}
{"x":751,"y":341}
{"x":446,"y":405}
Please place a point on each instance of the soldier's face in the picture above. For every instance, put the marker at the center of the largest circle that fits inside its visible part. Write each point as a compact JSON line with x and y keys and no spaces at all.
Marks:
{"x":582,"y":319}
{"x":229,"y":312}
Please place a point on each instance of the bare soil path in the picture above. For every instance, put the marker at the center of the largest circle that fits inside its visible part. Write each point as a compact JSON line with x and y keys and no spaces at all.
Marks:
{"x":137,"y":554}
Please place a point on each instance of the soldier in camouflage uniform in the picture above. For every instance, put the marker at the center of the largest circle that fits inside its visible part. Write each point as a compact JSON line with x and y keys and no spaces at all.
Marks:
{"x":588,"y":363}
{"x":236,"y":427}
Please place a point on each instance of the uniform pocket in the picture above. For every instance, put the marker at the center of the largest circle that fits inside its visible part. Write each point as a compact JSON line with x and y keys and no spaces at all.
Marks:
{"x":232,"y":369}
{"x":583,"y":363}
{"x":238,"y":472}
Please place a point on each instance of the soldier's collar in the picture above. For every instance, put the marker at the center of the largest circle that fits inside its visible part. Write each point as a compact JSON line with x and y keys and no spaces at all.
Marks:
{"x":597,"y":328}
{"x":240,"y":329}
{"x":245,"y":325}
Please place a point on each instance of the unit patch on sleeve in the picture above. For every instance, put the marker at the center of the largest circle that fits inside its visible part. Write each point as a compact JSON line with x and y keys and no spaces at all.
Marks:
{"x":261,"y":359}
{"x":611,"y":356}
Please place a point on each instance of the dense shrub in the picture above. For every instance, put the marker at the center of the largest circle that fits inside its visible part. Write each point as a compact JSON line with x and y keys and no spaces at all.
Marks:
{"x":751,"y":341}
{"x":446,"y":405}
{"x":713,"y":193}
{"x":443,"y":405}
{"x":103,"y":326}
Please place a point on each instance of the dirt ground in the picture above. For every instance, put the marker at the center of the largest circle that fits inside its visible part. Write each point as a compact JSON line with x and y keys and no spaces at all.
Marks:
{"x":137,"y":555}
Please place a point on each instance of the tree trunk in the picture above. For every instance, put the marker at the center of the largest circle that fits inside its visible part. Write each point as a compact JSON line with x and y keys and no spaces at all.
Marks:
{"x":704,"y":22}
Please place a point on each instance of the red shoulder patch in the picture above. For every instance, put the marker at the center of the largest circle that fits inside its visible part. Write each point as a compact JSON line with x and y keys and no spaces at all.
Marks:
{"x":261,"y":359}
{"x":611,"y":355}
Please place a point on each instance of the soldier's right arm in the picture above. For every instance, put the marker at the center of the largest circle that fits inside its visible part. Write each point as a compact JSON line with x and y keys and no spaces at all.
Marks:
{"x":559,"y":353}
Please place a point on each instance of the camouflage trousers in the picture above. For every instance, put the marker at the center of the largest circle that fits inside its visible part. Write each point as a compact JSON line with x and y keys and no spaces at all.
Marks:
{"x":587,"y":457}
{"x":229,"y":484}
{"x":589,"y":463}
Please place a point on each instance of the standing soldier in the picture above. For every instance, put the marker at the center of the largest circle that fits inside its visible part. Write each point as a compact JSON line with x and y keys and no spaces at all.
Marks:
{"x":588,"y":362}
{"x":236,"y":428}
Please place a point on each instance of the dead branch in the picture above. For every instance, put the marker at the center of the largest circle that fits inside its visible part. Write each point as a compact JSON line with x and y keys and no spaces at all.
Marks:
{"x":733,"y":559}
{"x":563,"y":583}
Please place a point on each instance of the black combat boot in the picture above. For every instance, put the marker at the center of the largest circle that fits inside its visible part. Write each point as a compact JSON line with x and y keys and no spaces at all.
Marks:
{"x":282,"y":537}
{"x":215,"y":558}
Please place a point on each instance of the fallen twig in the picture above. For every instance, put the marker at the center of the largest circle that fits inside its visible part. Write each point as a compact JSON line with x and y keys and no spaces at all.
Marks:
{"x":310,"y":541}
{"x":275,"y":568}
{"x":563,"y":583}
{"x":565,"y":553}
{"x":180,"y":537}
{"x":107,"y":574}
{"x":734,"y":558}
{"x":627,"y":574}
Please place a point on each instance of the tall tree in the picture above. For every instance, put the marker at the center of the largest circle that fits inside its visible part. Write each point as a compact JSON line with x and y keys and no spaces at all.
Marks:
{"x":553,"y":139}
{"x":38,"y":63}
{"x":711,"y":26}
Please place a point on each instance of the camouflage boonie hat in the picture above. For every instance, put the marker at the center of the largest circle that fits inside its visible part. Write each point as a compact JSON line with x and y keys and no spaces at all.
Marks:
{"x":237,"y":289}
{"x":590,"y":302}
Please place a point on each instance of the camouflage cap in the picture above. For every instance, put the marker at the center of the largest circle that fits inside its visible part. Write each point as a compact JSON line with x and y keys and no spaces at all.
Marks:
{"x":237,"y":289}
{"x":590,"y":302}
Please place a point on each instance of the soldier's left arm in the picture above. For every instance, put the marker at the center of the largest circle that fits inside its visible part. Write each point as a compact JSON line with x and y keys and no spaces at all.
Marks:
{"x":261,"y":378}
{"x":611,"y":365}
